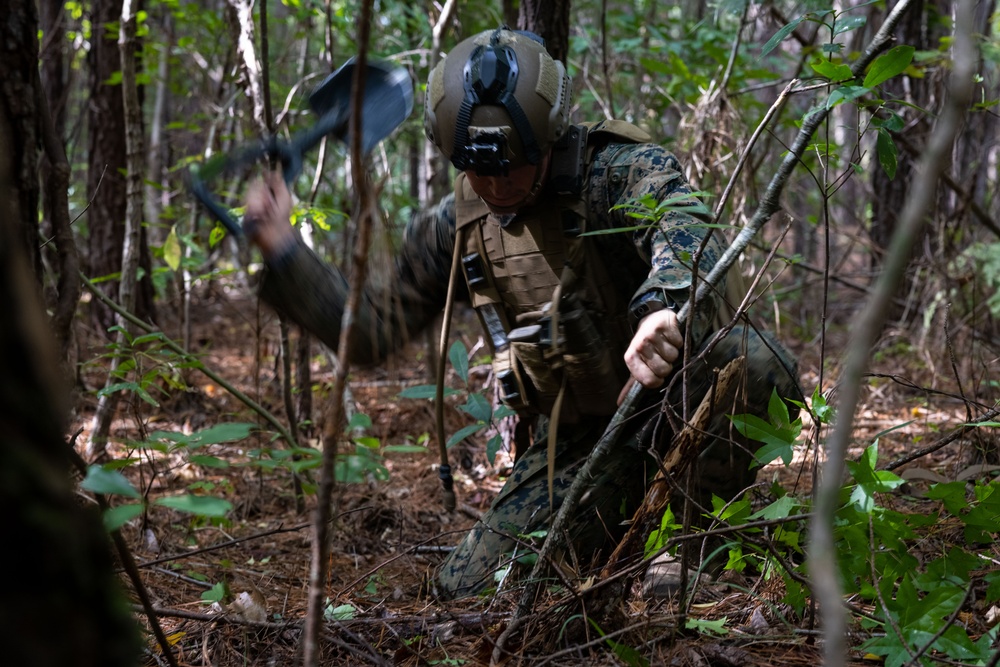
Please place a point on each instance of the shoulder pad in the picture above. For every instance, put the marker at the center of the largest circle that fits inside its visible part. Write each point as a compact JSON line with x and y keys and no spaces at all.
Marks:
{"x":617,"y":130}
{"x":468,"y":205}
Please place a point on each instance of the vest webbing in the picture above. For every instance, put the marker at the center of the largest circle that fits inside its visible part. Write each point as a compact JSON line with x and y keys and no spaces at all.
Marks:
{"x":512,"y":282}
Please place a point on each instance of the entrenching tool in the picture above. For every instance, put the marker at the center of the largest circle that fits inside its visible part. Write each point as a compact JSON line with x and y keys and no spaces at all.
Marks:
{"x":388,"y":100}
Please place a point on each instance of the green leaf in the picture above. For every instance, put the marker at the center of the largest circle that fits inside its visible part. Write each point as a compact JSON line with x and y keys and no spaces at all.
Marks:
{"x":108,"y":482}
{"x":887,"y":155}
{"x":172,"y":249}
{"x":832,"y":71}
{"x":117,"y":386}
{"x":223,"y":433}
{"x":627,"y":654}
{"x":824,"y":412}
{"x":459,"y":357}
{"x":425,"y":391}
{"x":734,"y":512}
{"x":779,"y":36}
{"x":217,"y":234}
{"x":492,"y":447}
{"x":359,"y":421}
{"x":656,"y":66}
{"x":478,"y":407}
{"x":893,"y":123}
{"x":717,"y":627}
{"x":216,"y":593}
{"x":463,"y":433}
{"x":778,"y":440}
{"x":889,"y":64}
{"x":369,"y":442}
{"x":951,"y":494}
{"x":116,"y":517}
{"x":213,"y":435}
{"x":208,"y":461}
{"x":404,"y":449}
{"x":870,"y":481}
{"x":201,"y":505}
{"x":658,"y":537}
{"x":502,"y":412}
{"x":344,"y":612}
{"x":992,"y":580}
{"x":848,"y":24}
{"x":846,"y":94}
{"x":781,"y":508}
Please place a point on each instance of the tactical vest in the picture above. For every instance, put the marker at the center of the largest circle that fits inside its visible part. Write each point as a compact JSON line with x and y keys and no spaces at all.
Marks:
{"x":557,"y":325}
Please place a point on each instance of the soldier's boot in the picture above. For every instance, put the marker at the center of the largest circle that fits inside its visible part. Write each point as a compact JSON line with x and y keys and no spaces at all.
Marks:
{"x":723,"y":467}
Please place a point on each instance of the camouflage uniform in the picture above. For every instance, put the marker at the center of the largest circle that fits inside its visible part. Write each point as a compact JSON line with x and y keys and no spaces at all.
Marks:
{"x":655,"y":260}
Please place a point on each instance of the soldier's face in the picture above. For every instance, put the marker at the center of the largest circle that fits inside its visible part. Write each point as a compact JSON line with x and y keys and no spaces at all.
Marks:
{"x":506,"y":194}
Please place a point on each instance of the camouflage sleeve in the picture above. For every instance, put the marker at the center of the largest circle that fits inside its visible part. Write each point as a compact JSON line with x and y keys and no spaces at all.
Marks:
{"x":670,"y":245}
{"x":393,"y":309}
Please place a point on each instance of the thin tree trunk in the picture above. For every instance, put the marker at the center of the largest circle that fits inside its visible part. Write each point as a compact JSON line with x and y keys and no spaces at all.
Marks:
{"x":250,"y":65}
{"x":50,"y":101}
{"x":550,"y":20}
{"x":108,"y":402}
{"x":822,"y":551}
{"x":58,"y":551}
{"x":155,"y":153}
{"x":334,"y":428}
{"x":106,"y":188}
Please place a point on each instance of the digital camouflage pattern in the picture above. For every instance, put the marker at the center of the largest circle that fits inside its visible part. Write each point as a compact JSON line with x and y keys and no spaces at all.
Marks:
{"x":722,"y":469}
{"x":653,"y":259}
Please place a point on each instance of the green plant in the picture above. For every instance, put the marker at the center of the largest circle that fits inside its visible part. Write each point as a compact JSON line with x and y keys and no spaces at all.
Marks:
{"x":147,"y":366}
{"x":916,"y":596}
{"x":477,"y":405}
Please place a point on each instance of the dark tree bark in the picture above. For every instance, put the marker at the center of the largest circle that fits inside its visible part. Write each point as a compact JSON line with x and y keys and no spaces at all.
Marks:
{"x":18,"y":63}
{"x":52,"y":55}
{"x":61,"y":606}
{"x":890,"y":194}
{"x":550,"y":20}
{"x":50,"y":96}
{"x":106,"y":175}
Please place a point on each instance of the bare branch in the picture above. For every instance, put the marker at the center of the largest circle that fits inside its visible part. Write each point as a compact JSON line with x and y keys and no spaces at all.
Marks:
{"x":868,"y":324}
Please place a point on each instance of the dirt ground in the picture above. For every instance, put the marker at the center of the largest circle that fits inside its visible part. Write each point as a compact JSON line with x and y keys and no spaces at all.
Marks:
{"x":391,"y":535}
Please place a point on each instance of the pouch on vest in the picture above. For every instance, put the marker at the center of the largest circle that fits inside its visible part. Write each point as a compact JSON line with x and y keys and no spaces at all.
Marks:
{"x":590,"y":373}
{"x":513,"y":391}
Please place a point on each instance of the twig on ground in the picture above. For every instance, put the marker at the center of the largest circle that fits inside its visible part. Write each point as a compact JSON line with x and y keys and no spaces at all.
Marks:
{"x":940,"y":442}
{"x":417,"y":622}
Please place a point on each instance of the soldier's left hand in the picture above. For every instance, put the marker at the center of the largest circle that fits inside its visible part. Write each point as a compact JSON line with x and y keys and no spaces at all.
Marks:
{"x":654,"y":348}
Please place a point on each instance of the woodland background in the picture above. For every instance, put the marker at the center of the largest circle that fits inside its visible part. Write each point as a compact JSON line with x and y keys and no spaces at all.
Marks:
{"x":196,"y":418}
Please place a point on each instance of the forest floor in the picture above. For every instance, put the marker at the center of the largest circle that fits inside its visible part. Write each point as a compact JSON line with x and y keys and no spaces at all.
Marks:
{"x":391,"y":534}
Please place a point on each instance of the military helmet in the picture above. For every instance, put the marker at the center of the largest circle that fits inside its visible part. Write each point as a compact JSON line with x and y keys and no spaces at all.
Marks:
{"x":497,"y":101}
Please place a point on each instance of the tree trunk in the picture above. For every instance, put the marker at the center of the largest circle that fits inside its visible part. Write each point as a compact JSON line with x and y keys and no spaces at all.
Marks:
{"x":550,"y":20}
{"x":890,"y":194}
{"x":62,"y":565}
{"x":106,"y":174}
{"x":134,"y":169}
{"x":18,"y":63}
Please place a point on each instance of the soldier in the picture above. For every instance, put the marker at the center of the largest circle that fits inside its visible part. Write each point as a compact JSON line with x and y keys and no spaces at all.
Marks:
{"x":571,"y":312}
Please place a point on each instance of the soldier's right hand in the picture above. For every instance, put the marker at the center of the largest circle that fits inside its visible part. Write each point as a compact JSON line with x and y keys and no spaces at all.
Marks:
{"x":655,"y":348}
{"x":266,"y":221}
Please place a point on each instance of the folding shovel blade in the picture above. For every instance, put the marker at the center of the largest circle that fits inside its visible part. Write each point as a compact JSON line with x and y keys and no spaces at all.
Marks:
{"x":388,"y":100}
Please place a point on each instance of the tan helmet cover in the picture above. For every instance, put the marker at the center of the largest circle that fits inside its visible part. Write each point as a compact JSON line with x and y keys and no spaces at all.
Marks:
{"x":453,"y":111}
